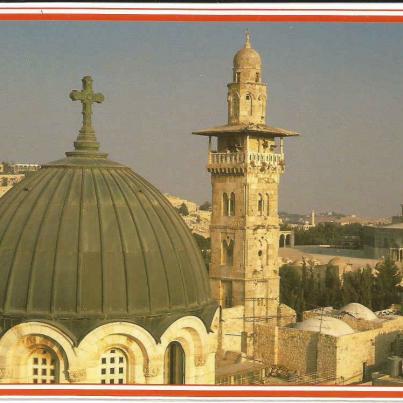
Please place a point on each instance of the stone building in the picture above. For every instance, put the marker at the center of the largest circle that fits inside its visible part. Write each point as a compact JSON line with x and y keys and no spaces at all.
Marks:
{"x":7,"y":181}
{"x":333,"y":346}
{"x":12,"y":173}
{"x":385,"y":240}
{"x":100,"y":279}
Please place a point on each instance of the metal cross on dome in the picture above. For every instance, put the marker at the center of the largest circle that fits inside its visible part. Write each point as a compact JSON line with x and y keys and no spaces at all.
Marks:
{"x":87,"y":98}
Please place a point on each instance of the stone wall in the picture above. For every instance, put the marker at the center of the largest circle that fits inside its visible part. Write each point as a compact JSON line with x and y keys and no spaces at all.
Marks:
{"x":344,"y":359}
{"x":231,"y":328}
{"x":267,"y":343}
{"x":297,"y":350}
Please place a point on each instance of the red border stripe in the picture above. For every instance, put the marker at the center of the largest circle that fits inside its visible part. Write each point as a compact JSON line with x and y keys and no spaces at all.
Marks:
{"x":205,"y":18}
{"x":286,"y":393}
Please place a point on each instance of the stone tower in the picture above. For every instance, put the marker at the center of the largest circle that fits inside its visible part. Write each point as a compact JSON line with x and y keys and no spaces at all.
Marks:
{"x":245,"y":165}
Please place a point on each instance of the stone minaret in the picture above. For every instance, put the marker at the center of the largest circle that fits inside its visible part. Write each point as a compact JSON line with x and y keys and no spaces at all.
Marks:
{"x":245,"y":168}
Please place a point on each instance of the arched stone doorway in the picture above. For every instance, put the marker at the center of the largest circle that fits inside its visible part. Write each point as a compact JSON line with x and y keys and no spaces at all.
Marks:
{"x":174,"y":364}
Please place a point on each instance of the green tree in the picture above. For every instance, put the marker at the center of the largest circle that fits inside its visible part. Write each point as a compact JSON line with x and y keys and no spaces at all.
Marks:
{"x":332,"y":292}
{"x":290,"y":288}
{"x":327,"y":233}
{"x":386,"y":287}
{"x":204,"y":245}
{"x":206,"y":206}
{"x":351,"y":284}
{"x":312,"y":295}
{"x":366,"y":287}
{"x":183,"y":210}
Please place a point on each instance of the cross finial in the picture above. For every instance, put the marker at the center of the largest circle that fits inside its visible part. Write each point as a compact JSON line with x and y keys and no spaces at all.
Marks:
{"x":87,"y":98}
{"x":86,"y":141}
{"x":247,"y":39}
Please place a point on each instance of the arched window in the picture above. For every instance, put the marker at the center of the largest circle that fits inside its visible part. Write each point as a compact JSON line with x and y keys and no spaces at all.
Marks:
{"x":267,"y":204}
{"x":237,"y":77}
{"x":43,"y":367}
{"x":260,"y":204}
{"x":257,"y":77}
{"x":174,"y":364}
{"x":226,"y":294}
{"x":227,"y":252}
{"x":249,"y":103}
{"x":232,"y":204}
{"x":225,"y":204}
{"x":263,"y":104}
{"x":113,"y":366}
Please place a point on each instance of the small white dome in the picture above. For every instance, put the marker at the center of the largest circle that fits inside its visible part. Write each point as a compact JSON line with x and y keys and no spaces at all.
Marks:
{"x":325,"y":325}
{"x":359,"y":311}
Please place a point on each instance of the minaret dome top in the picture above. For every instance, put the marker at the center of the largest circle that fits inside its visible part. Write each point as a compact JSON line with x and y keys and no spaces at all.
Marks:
{"x":247,"y":57}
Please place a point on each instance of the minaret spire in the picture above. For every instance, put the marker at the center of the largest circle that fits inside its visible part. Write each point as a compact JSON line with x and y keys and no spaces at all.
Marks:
{"x":247,"y":39}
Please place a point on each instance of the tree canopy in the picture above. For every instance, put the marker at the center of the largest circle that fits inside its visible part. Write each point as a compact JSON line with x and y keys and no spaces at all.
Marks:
{"x":302,"y":288}
{"x":327,"y":234}
{"x":183,"y":209}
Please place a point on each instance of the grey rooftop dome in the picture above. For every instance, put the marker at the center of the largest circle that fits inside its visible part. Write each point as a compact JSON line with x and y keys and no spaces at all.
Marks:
{"x":359,"y":311}
{"x":325,"y":325}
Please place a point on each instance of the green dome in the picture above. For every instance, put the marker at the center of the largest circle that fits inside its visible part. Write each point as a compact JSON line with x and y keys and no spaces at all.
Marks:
{"x":85,"y":241}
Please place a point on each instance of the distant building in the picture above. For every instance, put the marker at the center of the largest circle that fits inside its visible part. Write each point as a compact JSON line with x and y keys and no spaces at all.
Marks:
{"x":385,"y":240}
{"x":12,"y":173}
{"x":177,"y":203}
{"x":19,"y":168}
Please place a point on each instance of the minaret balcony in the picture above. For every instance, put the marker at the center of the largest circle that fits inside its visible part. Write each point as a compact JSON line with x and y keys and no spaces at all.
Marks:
{"x":266,"y":159}
{"x":226,"y":162}
{"x":237,"y":162}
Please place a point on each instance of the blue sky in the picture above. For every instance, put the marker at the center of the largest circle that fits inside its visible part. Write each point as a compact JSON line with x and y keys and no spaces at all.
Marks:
{"x":339,"y":85}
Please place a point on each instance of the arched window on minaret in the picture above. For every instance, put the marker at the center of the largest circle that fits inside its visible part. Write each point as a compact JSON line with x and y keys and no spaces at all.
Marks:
{"x":257,"y":78}
{"x":248,"y":98}
{"x":260,"y":204}
{"x":237,"y":76}
{"x":267,"y":204}
{"x":232,"y":204}
{"x":227,"y":252}
{"x":225,"y":203}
